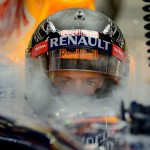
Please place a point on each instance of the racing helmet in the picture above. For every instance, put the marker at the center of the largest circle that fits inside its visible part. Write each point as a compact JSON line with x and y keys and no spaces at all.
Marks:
{"x":79,"y":40}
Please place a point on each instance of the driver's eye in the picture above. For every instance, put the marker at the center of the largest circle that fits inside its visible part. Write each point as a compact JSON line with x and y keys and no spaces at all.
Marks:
{"x":65,"y":83}
{"x":90,"y":82}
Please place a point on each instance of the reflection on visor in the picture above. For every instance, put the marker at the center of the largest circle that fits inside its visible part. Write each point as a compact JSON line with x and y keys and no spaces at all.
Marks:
{"x":84,"y":60}
{"x":75,"y":58}
{"x":79,"y":54}
{"x":81,"y":59}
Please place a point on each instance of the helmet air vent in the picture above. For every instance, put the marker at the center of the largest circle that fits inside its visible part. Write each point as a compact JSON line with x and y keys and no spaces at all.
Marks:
{"x":79,"y":15}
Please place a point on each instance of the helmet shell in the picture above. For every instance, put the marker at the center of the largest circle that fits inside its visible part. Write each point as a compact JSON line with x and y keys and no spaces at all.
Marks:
{"x":78,"y":18}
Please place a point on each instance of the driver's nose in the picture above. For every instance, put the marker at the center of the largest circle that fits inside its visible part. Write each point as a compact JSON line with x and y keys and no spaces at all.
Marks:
{"x":78,"y":88}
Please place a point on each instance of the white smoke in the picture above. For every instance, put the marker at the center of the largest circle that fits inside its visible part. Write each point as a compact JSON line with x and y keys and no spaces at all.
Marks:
{"x":132,"y":27}
{"x":11,"y":87}
{"x":45,"y":101}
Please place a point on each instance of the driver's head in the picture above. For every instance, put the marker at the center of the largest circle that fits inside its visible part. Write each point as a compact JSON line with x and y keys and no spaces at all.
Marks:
{"x":82,"y":51}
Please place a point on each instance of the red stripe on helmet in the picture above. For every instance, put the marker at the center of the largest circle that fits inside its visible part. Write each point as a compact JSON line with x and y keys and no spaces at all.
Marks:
{"x":118,"y":52}
{"x":39,"y":49}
